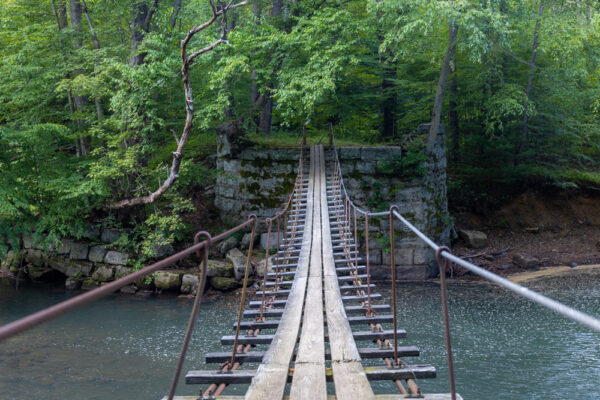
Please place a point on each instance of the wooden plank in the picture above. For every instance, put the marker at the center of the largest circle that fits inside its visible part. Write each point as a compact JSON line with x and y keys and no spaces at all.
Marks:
{"x":218,"y":376}
{"x":362,"y":309}
{"x":270,"y":380}
{"x":365,"y":353}
{"x":278,"y":312}
{"x":345,"y":299}
{"x":275,"y":312}
{"x":431,"y":396}
{"x":374,"y":296}
{"x":285,"y":292}
{"x":313,"y":312}
{"x":439,"y":396}
{"x":357,"y":335}
{"x":409,"y":372}
{"x":349,"y":378}
{"x":309,"y":368}
{"x":350,"y":368}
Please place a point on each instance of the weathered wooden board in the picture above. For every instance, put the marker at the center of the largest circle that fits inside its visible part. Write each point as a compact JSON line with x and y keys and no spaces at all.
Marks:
{"x":358,"y":336}
{"x":349,"y":378}
{"x":270,"y":380}
{"x":409,"y":372}
{"x":365,"y":353}
{"x":308,"y":381}
{"x":444,"y":396}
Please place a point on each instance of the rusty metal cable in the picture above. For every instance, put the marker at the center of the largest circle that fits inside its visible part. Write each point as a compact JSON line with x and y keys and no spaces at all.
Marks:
{"x":193,"y":314}
{"x":55,"y":311}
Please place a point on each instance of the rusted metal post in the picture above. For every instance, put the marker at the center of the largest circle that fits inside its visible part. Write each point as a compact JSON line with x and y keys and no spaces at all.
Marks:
{"x":369,"y":311}
{"x":355,"y":242}
{"x":194,"y":314}
{"x":244,"y":286}
{"x":264,"y":285}
{"x":443,"y":266}
{"x":393,"y":268}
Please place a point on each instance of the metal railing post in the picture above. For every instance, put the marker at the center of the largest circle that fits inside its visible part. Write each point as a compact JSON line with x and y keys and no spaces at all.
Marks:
{"x":193,"y":315}
{"x":443,"y":266}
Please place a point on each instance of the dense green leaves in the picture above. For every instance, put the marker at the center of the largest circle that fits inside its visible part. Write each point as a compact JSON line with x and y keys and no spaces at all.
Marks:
{"x":353,"y":63}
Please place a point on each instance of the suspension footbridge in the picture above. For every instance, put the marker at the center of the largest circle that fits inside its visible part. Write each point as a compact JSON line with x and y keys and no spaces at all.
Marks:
{"x":324,"y":331}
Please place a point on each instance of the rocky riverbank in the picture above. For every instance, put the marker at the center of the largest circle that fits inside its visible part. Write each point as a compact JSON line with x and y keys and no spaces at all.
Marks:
{"x":87,"y":265}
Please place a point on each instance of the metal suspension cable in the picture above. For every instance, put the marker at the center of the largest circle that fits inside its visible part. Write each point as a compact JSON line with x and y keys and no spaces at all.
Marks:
{"x":443,"y":252}
{"x":566,"y":311}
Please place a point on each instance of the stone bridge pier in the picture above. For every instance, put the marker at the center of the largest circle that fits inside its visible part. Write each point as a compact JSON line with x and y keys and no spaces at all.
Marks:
{"x":259,"y":181}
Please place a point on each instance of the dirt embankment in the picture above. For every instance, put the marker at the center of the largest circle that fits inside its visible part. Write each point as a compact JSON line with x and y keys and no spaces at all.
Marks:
{"x":558,"y":229}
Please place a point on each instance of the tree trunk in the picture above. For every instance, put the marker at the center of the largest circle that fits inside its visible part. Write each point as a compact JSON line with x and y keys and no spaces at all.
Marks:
{"x":79,"y":102}
{"x":390,"y":99}
{"x":187,"y":60}
{"x":60,"y":13}
{"x":138,"y":14}
{"x":277,"y":8}
{"x":175,"y":13}
{"x":439,"y":94}
{"x":529,"y":83}
{"x":266,"y":115}
{"x":452,"y":112}
{"x":96,"y":43}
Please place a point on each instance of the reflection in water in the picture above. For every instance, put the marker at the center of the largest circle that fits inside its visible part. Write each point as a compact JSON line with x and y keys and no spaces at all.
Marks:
{"x":125,"y":347}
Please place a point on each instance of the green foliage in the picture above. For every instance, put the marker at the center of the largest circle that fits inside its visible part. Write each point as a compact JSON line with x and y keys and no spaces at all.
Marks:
{"x":322,"y":62}
{"x":410,"y":166}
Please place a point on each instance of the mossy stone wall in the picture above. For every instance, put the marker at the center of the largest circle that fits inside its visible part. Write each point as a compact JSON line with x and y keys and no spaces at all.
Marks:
{"x":260,"y":181}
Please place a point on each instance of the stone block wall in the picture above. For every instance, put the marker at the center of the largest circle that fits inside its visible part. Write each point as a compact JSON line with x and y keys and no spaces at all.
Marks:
{"x":260,"y":181}
{"x":256,"y":182}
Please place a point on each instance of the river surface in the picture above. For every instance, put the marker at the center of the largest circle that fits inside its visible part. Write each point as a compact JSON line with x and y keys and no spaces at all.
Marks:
{"x":124,"y":347}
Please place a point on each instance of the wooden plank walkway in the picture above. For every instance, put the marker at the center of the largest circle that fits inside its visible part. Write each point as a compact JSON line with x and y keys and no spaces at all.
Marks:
{"x":313,"y":342}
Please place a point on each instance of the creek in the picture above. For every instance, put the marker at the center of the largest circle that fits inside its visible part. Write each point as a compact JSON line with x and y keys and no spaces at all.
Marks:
{"x":124,"y":347}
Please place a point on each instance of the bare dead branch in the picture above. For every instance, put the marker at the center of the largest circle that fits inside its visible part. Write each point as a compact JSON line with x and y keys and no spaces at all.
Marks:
{"x":211,"y":46}
{"x":186,"y":61}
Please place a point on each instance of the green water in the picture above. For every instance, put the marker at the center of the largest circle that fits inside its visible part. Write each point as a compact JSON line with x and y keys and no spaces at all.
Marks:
{"x":124,"y":347}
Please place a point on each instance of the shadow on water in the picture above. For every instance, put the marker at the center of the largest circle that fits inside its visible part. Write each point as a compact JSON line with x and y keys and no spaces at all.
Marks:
{"x":125,"y":347}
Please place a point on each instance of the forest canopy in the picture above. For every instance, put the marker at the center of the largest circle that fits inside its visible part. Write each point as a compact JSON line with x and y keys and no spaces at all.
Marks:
{"x":92,"y":104}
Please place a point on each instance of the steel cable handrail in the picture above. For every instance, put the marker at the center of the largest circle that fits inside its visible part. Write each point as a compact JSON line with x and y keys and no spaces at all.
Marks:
{"x":23,"y":324}
{"x":443,"y":252}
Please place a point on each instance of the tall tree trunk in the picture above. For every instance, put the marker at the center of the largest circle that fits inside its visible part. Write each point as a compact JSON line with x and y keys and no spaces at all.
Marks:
{"x":138,"y":17}
{"x":79,"y":102}
{"x":60,"y":13}
{"x":452,"y":112}
{"x":390,"y":98}
{"x":589,"y":14}
{"x":254,"y":87}
{"x":439,"y":93}
{"x":96,"y":43}
{"x":140,"y":25}
{"x":388,"y":91}
{"x":229,"y":108}
{"x":266,"y":115}
{"x":175,"y":13}
{"x":529,"y":83}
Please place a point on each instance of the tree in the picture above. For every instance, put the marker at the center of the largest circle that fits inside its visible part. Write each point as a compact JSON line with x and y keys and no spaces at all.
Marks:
{"x":219,"y":11}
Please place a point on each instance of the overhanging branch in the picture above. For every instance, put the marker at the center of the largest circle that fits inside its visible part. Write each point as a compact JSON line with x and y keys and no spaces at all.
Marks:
{"x":219,"y":10}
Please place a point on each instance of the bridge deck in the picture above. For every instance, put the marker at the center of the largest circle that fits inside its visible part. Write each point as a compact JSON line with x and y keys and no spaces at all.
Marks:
{"x":313,"y":343}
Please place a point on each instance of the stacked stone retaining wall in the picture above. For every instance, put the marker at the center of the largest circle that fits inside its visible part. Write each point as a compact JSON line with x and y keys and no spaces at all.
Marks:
{"x":260,"y":181}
